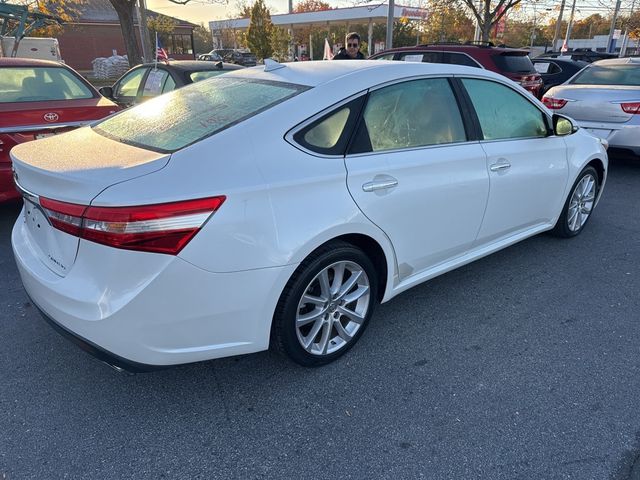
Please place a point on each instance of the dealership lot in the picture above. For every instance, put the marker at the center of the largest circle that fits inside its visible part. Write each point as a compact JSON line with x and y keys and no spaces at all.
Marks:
{"x":522,"y":365}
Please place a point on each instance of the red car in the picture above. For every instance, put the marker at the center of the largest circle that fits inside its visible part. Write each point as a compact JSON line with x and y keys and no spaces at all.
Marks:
{"x":510,"y":62}
{"x":41,"y":98}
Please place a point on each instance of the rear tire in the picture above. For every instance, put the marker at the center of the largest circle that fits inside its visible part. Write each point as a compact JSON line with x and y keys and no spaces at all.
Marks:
{"x":326,"y":305}
{"x":579,"y":205}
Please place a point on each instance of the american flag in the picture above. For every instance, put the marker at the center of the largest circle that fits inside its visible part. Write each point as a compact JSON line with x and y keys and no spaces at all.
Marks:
{"x":161,"y":53}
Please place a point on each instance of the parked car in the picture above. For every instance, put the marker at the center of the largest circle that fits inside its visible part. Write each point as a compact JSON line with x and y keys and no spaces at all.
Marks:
{"x":580,"y":54}
{"x":239,"y":57}
{"x":555,"y":71}
{"x":149,"y":80}
{"x":510,"y":62}
{"x":210,"y":57}
{"x":40,"y":98}
{"x":604,"y":98}
{"x":279,"y":206}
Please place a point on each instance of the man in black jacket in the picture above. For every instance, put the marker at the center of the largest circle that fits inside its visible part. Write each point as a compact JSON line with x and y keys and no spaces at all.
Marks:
{"x":352,"y":50}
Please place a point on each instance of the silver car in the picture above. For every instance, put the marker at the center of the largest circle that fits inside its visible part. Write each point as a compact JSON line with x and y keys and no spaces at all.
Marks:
{"x":603,"y":98}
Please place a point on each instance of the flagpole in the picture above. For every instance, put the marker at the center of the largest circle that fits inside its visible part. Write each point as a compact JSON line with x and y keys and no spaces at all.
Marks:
{"x":155,"y":66}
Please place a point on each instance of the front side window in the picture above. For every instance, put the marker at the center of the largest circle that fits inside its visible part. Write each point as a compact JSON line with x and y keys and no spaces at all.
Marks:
{"x":130,"y":83}
{"x":170,"y":122}
{"x":410,"y":114}
{"x":37,"y":84}
{"x":154,"y":83}
{"x":628,"y":75}
{"x":503,"y":113}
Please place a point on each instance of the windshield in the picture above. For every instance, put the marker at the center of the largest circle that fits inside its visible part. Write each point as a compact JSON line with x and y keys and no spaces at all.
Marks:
{"x":628,"y":75}
{"x":37,"y":84}
{"x":514,"y":63}
{"x":172,"y":121}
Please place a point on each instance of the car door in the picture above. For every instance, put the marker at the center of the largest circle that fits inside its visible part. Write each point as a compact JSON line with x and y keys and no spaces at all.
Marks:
{"x":526,"y":163}
{"x":413,"y":171}
{"x":125,"y":90}
{"x":550,"y":72}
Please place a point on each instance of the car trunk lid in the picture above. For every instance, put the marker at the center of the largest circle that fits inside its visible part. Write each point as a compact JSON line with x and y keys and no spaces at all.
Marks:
{"x":72,"y":168}
{"x":596,"y":103}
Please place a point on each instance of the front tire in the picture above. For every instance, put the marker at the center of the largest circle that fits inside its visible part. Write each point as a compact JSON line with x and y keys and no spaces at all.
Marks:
{"x":326,"y":305}
{"x":579,"y":205}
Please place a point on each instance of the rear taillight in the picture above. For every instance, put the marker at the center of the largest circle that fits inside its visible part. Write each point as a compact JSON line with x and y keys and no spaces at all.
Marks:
{"x":161,"y":228}
{"x":631,"y":107}
{"x":554,"y":103}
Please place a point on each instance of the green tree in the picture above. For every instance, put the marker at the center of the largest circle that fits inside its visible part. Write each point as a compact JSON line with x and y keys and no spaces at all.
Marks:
{"x":65,"y":10}
{"x":162,"y":25}
{"x":447,"y":22}
{"x":280,"y":41}
{"x":202,"y":39}
{"x":259,"y":32}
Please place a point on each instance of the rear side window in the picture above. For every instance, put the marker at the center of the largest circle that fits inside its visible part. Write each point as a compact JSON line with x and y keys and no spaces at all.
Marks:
{"x":514,"y":63}
{"x":410,"y":114}
{"x":37,"y":84}
{"x":504,"y":113}
{"x":459,"y":59}
{"x":547,"y":67}
{"x":428,"y":57}
{"x":330,"y":134}
{"x":628,"y":75}
{"x":170,"y":122}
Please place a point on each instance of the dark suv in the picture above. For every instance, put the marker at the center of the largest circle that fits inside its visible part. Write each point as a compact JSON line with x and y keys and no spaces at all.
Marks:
{"x":239,"y":57}
{"x":510,"y":62}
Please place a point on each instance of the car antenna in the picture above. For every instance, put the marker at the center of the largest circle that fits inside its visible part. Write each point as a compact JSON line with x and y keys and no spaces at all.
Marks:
{"x":271,"y":65}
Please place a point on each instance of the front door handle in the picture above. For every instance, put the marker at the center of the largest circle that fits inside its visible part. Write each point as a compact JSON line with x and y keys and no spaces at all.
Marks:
{"x":379,"y":185}
{"x":502,"y":165}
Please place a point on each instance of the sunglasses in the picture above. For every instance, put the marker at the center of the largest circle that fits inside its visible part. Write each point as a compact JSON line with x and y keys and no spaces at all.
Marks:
{"x":352,"y":45}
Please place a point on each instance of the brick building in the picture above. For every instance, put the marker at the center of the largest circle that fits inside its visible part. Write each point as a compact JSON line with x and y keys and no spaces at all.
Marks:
{"x":96,"y":33}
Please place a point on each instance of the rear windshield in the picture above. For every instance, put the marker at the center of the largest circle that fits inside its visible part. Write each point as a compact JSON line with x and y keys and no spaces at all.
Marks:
{"x":170,"y":122}
{"x":514,"y":63}
{"x":609,"y":75}
{"x":38,"y":84}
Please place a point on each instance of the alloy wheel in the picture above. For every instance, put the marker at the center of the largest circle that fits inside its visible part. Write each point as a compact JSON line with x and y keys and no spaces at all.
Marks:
{"x":333,"y":308}
{"x":581,"y":203}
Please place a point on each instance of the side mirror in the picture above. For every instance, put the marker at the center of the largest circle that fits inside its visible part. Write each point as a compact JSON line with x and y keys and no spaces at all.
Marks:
{"x":563,"y":126}
{"x":106,"y":92}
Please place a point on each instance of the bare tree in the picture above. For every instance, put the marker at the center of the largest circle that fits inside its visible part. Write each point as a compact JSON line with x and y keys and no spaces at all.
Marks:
{"x":488,"y":13}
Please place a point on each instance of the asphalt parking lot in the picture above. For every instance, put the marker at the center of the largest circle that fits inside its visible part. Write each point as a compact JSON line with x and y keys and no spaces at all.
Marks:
{"x":523,"y":365}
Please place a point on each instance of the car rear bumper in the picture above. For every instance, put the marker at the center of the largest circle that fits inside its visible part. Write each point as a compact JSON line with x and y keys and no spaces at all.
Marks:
{"x":618,"y":135}
{"x":139,"y":311}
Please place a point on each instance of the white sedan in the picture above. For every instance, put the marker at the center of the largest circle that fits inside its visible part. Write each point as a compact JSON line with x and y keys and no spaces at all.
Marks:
{"x":278,"y":205}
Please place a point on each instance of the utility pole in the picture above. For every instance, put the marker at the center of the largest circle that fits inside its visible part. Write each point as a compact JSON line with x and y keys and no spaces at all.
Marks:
{"x":625,"y":43}
{"x":570,"y":26}
{"x":390,"y":15}
{"x":556,"y":35}
{"x":610,"y":41}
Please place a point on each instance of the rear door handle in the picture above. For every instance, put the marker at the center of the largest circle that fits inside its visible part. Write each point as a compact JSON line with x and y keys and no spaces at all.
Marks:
{"x":379,"y":185}
{"x":502,"y":165}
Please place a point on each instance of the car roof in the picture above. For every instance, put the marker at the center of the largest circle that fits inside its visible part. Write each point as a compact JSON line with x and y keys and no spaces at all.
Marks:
{"x":457,"y":46}
{"x":319,"y":72}
{"x":564,"y":61}
{"x":195,"y":65}
{"x":28,"y":62}
{"x":618,"y":61}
